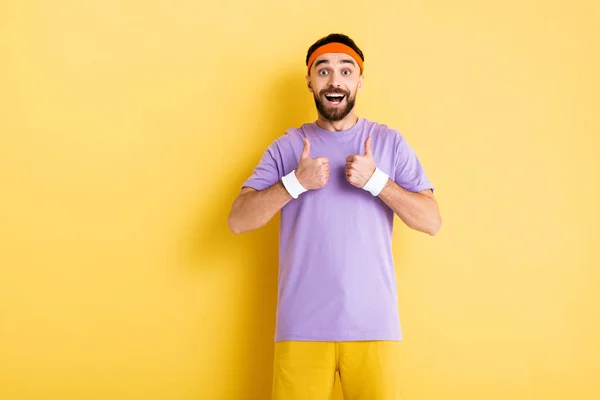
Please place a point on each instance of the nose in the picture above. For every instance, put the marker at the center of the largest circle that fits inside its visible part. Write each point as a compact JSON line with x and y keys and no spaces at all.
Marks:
{"x":333,"y":80}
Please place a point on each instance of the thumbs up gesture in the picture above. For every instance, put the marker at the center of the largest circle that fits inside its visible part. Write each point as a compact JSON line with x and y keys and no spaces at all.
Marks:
{"x":312,"y":173}
{"x":359,"y":168}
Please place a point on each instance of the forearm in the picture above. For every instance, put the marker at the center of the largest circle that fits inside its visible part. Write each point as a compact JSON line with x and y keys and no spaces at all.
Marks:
{"x":254,"y":209}
{"x":418,"y":211}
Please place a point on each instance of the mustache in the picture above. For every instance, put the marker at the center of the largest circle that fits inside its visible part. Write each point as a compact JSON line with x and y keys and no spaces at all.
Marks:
{"x":334,"y":91}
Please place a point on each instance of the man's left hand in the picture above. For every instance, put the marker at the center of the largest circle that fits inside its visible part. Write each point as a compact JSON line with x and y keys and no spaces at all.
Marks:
{"x":359,"y":168}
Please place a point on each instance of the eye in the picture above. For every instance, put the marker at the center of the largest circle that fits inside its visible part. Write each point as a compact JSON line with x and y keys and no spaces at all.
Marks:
{"x":346,"y":72}
{"x":323,"y":72}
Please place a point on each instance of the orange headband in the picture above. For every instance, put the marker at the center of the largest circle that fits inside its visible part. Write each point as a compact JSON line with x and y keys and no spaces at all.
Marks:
{"x":335,"y":48}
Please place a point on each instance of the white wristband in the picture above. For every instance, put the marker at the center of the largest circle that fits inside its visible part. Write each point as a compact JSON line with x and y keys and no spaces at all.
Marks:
{"x":293,"y":185}
{"x":376,"y":183}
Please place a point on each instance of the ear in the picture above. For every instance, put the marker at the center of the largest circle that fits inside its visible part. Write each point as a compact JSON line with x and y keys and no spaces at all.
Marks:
{"x":360,"y":82}
{"x":309,"y":84}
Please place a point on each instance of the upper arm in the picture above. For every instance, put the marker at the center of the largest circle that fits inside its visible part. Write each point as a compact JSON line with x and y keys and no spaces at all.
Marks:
{"x":408,"y":170}
{"x":267,"y":172}
{"x":428,"y":193}
{"x":246,"y":189}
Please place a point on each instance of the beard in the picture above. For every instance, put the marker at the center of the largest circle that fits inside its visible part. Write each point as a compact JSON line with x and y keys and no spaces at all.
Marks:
{"x":332,"y":113}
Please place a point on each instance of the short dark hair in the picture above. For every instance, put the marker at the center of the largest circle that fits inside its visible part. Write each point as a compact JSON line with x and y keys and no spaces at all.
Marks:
{"x":334,"y":38}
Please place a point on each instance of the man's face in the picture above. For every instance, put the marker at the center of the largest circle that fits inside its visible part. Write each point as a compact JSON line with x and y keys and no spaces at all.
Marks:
{"x":334,"y":80}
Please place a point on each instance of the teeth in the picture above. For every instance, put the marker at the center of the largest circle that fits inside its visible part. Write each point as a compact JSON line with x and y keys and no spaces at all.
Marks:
{"x":335,"y":95}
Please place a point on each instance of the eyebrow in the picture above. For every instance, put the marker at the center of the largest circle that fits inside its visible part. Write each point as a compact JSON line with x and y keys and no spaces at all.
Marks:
{"x":343,"y":61}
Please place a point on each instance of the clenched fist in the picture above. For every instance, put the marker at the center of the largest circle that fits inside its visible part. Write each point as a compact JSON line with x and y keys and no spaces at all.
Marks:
{"x":359,"y":168}
{"x":312,"y":173}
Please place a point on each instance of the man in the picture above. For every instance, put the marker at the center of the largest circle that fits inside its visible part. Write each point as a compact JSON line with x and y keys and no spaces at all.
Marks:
{"x":338,"y":182}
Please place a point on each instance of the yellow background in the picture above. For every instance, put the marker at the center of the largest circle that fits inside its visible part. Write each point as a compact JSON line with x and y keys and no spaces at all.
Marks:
{"x":128,"y":127}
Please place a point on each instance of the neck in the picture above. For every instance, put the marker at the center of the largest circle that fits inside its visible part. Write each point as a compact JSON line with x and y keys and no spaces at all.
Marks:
{"x":335,"y":126}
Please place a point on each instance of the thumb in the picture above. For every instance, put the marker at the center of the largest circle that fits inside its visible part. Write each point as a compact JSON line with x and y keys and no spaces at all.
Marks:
{"x":368,"y":147}
{"x":306,"y":149}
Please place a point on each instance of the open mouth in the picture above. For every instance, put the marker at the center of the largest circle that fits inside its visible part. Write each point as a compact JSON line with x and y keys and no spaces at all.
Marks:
{"x":335,"y":98}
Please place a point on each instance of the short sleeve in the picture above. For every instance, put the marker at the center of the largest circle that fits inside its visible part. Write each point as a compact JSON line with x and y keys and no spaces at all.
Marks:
{"x":408,"y":171}
{"x":267,"y":172}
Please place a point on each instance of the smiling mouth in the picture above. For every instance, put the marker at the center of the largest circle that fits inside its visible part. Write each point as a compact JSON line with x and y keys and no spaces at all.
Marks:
{"x":334,"y":98}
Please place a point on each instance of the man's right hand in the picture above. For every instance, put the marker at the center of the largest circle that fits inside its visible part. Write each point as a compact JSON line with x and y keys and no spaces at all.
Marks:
{"x":312,"y":173}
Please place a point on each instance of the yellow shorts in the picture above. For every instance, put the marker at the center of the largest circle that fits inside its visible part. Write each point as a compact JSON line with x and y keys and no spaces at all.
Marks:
{"x":306,"y":370}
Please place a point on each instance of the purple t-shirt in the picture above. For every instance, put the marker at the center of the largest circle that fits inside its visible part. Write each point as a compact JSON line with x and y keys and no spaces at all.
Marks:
{"x":336,"y":271}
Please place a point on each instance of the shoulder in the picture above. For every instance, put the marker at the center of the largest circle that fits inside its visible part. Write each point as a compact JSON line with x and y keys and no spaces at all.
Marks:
{"x":295,"y":135}
{"x":383,"y":132}
{"x":288,"y":141}
{"x":380,"y":129}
